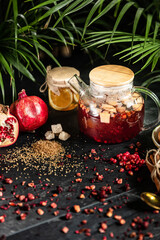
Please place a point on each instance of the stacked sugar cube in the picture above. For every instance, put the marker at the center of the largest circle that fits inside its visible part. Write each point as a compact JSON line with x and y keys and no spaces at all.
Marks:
{"x":57,"y":130}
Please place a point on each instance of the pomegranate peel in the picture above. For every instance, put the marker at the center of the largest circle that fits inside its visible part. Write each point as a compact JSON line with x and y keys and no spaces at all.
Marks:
{"x":31,"y":111}
{"x":9,"y":127}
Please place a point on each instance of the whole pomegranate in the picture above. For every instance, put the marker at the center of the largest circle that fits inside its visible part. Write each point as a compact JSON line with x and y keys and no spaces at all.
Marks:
{"x":31,"y":111}
{"x":9,"y":127}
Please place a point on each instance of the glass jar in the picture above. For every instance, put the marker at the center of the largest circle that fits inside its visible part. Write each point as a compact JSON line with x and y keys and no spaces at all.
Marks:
{"x":111,"y":110}
{"x":61,"y":95}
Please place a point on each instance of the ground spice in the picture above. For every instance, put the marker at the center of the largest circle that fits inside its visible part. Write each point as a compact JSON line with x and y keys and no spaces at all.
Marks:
{"x":47,"y":149}
{"x":46,"y":157}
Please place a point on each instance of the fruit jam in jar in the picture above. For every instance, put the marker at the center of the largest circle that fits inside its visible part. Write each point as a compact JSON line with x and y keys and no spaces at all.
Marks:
{"x":113,"y":111}
{"x":61,"y":95}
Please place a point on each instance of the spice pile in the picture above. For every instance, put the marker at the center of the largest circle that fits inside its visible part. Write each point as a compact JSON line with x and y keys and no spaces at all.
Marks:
{"x":42,"y":156}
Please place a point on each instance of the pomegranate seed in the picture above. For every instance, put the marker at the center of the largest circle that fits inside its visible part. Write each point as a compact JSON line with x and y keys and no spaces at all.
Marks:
{"x":82,"y":196}
{"x":111,"y":234}
{"x":109,"y":213}
{"x":53,"y":205}
{"x":9,"y":180}
{"x":133,"y":235}
{"x":2,"y":219}
{"x":31,"y":184}
{"x":30,"y":196}
{"x":68,"y":216}
{"x":40,"y":211}
{"x":84,"y":222}
{"x":122,"y":221}
{"x":23,"y":216}
{"x":56,"y":213}
{"x":43,"y":203}
{"x":101,"y":230}
{"x":65,"y":229}
{"x":117,"y":217}
{"x":130,"y":173}
{"x":104,"y":226}
{"x":78,"y":174}
{"x":22,"y":197}
{"x":76,"y":208}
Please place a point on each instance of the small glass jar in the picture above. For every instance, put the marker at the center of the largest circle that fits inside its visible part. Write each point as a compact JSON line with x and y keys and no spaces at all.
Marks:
{"x":62,"y":96}
{"x":111,"y":109}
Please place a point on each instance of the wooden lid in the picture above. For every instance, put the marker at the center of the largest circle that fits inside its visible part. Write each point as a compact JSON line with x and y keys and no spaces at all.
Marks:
{"x":111,"y":75}
{"x":61,"y":73}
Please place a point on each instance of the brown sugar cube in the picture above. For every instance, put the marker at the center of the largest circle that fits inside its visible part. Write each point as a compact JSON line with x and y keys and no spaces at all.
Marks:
{"x":137,"y":106}
{"x":64,"y":136}
{"x":56,"y":128}
{"x":105,"y":117}
{"x":113,"y":110}
{"x":49,"y":135}
{"x":135,"y":95}
{"x":121,"y":109}
{"x":107,"y":106}
{"x":112,"y":102}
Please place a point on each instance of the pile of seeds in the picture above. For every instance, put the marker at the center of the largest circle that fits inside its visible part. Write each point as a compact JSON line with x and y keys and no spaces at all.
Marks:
{"x":47,"y":149}
{"x":42,"y":155}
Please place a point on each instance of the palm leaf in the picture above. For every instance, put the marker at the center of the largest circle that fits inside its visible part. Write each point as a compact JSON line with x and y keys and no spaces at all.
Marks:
{"x":2,"y":88}
{"x":6,"y":66}
{"x":136,"y":20}
{"x":157,"y":25}
{"x":119,"y":18}
{"x":148,"y":26}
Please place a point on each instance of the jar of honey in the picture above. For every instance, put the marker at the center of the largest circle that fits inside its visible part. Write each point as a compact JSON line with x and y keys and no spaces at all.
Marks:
{"x":62,"y":96}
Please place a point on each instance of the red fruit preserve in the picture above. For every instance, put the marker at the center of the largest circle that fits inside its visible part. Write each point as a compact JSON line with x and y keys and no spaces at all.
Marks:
{"x":121,"y":127}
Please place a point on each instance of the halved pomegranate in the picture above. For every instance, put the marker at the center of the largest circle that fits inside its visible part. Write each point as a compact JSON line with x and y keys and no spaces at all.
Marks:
{"x":9,"y":127}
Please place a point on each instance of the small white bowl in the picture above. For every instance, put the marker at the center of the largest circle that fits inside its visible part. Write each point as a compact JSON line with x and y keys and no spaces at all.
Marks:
{"x":155,"y":136}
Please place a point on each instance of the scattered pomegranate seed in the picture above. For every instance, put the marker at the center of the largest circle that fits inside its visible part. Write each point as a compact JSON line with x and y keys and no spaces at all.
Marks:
{"x":9,"y":180}
{"x":119,"y":181}
{"x":43,"y":203}
{"x":2,"y":219}
{"x":84,"y":222}
{"x":30,"y":196}
{"x":133,"y":235}
{"x":78,"y":174}
{"x":130,"y":173}
{"x":81,"y":196}
{"x":78,"y":180}
{"x":77,"y":208}
{"x":23,"y":183}
{"x":111,"y":234}
{"x":122,"y":221}
{"x":53,"y":205}
{"x":117,"y":217}
{"x":23,"y":216}
{"x":65,"y":229}
{"x":109,"y":213}
{"x":40,"y":211}
{"x":56,"y":213}
{"x":104,"y":226}
{"x":68,"y":216}
{"x":31,"y":184}
{"x":22,"y":197}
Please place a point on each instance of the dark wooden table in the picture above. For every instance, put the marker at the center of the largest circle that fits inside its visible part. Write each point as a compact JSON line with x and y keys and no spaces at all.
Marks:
{"x":91,"y":161}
